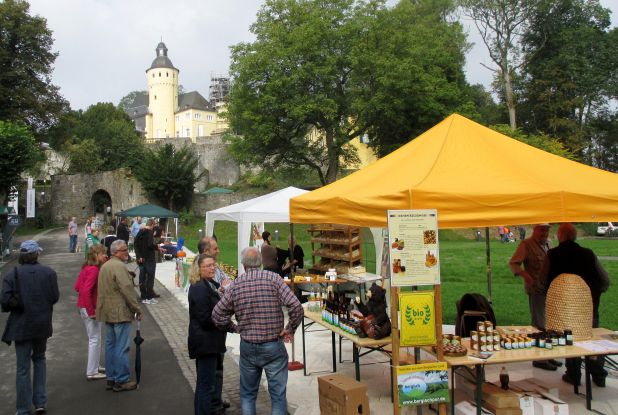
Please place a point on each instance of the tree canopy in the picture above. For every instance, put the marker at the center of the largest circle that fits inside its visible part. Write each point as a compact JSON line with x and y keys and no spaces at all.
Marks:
{"x":20,"y":152}
{"x":322,"y":73}
{"x":169,"y":175}
{"x":26,"y":64}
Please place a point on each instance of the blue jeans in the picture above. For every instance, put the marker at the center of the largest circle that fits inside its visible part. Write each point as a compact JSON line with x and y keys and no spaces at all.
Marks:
{"x":27,"y":392}
{"x":72,"y":243}
{"x":272,"y":357}
{"x":117,"y":352}
{"x":209,"y":384}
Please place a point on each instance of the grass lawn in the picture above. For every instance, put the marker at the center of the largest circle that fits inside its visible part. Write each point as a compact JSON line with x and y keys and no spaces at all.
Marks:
{"x":462,"y":268}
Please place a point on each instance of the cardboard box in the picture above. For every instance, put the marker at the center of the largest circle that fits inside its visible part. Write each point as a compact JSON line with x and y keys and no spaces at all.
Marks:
{"x":469,"y":408}
{"x":493,"y":395}
{"x":341,"y":395}
{"x":516,"y":410}
{"x":534,"y":385}
{"x":550,"y":405}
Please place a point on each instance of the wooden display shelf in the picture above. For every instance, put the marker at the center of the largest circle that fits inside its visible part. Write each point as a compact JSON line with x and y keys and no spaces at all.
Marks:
{"x":335,"y":246}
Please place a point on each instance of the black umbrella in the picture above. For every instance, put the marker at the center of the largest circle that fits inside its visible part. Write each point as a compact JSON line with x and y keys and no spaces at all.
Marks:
{"x":138,"y":353}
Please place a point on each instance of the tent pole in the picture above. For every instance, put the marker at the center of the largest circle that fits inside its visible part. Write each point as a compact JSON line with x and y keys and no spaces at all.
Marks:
{"x":488,"y":266}
{"x":291,"y":251}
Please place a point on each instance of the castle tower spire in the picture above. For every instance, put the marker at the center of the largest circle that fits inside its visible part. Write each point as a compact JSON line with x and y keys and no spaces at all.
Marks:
{"x":162,"y":79}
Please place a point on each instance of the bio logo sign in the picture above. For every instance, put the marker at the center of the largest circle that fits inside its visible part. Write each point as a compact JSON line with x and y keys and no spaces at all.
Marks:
{"x":417,"y":318}
{"x":418,"y":315}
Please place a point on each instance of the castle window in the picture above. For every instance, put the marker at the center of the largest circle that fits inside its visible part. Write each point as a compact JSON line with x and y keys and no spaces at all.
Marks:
{"x":159,"y":74}
{"x":200,"y":130}
{"x":167,"y":74}
{"x":188,"y":131}
{"x":153,"y":75}
{"x":197,"y":116}
{"x":209,"y":117}
{"x":155,"y":97}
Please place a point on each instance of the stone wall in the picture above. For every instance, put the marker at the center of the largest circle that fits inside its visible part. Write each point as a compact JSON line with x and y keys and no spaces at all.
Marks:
{"x":71,"y":195}
{"x":213,"y":156}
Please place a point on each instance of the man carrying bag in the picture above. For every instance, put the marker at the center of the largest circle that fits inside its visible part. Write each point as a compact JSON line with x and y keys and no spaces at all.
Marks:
{"x":29,"y":293}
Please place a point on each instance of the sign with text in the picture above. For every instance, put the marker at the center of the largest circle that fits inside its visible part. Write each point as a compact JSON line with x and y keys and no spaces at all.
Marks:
{"x":30,"y":203}
{"x":423,"y":384}
{"x":418,"y":322}
{"x":413,"y":247}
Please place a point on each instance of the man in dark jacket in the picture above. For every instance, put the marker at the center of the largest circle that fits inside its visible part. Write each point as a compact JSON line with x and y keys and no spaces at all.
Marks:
{"x":31,"y":327}
{"x":145,"y":248}
{"x":570,"y":258}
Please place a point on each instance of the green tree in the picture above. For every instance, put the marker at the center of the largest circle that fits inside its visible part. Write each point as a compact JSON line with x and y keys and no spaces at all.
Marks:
{"x":501,"y":24}
{"x":321,"y":73}
{"x":572,"y":71}
{"x":408,"y":71}
{"x":85,"y":157}
{"x":20,"y":152}
{"x":168,"y":175}
{"x":541,"y":141}
{"x":113,"y":132}
{"x":26,"y":64}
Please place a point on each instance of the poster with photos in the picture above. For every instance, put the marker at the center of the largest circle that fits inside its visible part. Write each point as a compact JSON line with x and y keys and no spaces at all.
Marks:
{"x":414,"y":256}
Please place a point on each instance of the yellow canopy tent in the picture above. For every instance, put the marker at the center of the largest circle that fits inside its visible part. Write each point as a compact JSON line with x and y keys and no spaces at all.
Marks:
{"x":473,"y":176}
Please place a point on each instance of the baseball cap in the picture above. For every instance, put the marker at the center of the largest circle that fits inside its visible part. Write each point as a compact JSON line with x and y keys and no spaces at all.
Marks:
{"x":30,"y":246}
{"x":542,"y":225}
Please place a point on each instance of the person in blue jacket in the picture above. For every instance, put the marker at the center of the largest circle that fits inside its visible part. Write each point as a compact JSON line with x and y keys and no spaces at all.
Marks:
{"x":31,"y":326}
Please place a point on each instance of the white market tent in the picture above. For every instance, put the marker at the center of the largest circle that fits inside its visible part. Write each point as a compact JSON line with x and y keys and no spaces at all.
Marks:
{"x":273,"y":208}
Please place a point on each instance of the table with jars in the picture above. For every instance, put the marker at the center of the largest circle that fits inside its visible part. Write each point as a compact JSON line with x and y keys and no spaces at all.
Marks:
{"x":511,"y":344}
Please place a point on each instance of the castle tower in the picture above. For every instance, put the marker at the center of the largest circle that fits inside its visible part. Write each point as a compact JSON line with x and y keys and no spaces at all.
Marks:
{"x":162,"y":95}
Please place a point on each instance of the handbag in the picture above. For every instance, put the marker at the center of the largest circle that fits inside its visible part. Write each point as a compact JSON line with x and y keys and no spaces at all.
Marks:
{"x":15,"y":303}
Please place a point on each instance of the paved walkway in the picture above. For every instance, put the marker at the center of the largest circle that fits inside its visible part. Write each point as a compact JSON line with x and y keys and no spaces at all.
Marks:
{"x":168,"y":375}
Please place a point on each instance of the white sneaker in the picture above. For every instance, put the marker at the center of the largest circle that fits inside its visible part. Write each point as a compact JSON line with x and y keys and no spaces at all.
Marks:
{"x":153,"y":301}
{"x":146,"y":301}
{"x":96,"y":376}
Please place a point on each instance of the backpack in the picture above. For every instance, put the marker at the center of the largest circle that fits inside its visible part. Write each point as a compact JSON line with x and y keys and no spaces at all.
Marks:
{"x":472,"y":308}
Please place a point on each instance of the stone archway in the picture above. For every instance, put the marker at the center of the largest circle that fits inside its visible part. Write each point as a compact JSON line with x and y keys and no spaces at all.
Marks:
{"x":101,"y":205}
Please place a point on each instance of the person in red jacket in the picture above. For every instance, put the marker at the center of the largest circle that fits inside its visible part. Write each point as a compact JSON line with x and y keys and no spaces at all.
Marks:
{"x":86,"y":287}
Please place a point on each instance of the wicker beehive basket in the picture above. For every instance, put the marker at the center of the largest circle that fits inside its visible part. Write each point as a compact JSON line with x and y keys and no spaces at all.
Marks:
{"x":569,"y":306}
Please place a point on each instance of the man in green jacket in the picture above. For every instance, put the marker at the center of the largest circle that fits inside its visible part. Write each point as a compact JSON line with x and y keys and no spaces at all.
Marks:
{"x":117,"y":306}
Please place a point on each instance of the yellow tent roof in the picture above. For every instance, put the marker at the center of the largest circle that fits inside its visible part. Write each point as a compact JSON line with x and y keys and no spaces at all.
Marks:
{"x":473,"y":176}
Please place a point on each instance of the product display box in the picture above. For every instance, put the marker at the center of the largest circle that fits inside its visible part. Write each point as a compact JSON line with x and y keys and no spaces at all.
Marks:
{"x":492,"y":395}
{"x":341,"y":395}
{"x":550,"y":405}
{"x":534,"y":385}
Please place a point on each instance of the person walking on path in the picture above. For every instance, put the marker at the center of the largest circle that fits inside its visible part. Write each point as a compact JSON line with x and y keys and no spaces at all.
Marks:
{"x":72,"y":228}
{"x":255,"y":298}
{"x":30,"y":327}
{"x":206,"y":342}
{"x":116,"y":307}
{"x":91,"y":240}
{"x":527,"y":262}
{"x":570,"y":258}
{"x":86,"y":286}
{"x":145,"y":249}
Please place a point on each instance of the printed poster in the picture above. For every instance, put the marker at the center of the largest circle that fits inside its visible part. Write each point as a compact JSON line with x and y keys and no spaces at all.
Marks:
{"x":413,"y":247}
{"x":423,"y":384}
{"x":418,"y":323}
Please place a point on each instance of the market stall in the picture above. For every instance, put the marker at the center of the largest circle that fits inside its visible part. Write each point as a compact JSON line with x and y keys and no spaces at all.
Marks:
{"x":272,"y":207}
{"x":458,"y":168}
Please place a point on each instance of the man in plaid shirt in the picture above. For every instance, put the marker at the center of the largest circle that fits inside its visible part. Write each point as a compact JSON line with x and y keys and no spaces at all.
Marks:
{"x":256,"y":299}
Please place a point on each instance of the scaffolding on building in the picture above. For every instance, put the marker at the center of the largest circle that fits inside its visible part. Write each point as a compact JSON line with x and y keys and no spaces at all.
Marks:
{"x":219,"y":90}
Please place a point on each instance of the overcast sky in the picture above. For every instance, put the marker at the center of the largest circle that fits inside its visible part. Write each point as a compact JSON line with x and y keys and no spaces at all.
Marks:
{"x":105,"y":46}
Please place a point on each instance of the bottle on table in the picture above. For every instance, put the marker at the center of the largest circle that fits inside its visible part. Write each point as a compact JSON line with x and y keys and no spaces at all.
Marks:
{"x":504,"y":378}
